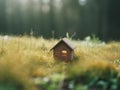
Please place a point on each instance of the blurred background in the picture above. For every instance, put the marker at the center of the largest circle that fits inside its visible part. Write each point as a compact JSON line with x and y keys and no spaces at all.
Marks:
{"x":55,"y":18}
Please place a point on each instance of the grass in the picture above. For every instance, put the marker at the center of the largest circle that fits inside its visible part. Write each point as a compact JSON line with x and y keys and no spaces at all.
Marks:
{"x":26,"y":58}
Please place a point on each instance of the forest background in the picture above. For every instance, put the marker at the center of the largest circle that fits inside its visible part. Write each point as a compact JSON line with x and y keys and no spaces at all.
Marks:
{"x":54,"y":18}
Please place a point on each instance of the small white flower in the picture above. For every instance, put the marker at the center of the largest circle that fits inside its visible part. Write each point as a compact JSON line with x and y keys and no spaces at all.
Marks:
{"x":88,"y":38}
{"x":46,"y":79}
{"x":5,"y":37}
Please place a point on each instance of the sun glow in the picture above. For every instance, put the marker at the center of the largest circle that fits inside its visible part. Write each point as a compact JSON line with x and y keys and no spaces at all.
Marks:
{"x":82,"y":2}
{"x":24,"y":1}
{"x":46,"y":1}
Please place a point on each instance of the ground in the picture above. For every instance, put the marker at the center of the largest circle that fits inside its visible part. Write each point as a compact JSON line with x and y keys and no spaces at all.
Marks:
{"x":25,"y":56}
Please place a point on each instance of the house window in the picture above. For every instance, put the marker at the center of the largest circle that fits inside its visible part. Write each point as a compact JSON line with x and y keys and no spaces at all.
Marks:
{"x":64,"y":52}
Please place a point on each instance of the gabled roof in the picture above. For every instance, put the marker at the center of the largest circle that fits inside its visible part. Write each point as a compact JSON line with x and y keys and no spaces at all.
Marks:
{"x":67,"y":42}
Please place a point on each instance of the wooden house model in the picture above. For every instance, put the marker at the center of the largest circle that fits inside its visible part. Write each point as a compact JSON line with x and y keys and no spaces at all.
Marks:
{"x":63,"y":50}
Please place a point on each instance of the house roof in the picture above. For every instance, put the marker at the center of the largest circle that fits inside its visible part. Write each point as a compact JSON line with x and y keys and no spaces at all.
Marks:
{"x":67,"y":42}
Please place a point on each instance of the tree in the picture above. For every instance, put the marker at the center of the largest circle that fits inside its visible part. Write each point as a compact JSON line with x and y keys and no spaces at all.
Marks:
{"x":2,"y":16}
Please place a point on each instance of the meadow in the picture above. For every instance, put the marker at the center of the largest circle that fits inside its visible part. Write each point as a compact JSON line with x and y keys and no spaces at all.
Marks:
{"x":26,"y":63}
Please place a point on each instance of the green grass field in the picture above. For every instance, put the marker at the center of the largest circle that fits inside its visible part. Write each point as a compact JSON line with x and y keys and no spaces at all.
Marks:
{"x":28,"y":62}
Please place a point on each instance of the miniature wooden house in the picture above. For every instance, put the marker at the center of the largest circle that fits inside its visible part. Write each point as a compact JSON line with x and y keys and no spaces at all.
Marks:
{"x":63,"y":50}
